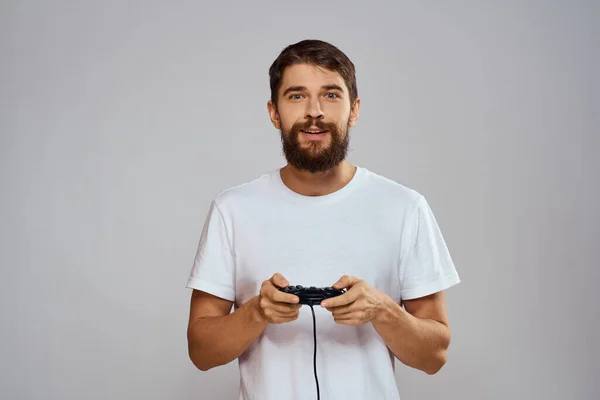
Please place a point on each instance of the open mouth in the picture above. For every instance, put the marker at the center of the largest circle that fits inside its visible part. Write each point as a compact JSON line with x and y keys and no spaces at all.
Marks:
{"x":312,"y":132}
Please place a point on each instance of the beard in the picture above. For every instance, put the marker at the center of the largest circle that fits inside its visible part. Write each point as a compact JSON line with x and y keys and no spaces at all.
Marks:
{"x":314,"y":156}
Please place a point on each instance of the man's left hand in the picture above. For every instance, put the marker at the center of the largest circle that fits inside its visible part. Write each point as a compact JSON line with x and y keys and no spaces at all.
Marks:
{"x":360,"y":304}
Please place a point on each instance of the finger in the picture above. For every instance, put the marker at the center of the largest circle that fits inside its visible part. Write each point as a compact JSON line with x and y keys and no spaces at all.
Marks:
{"x":354,"y":318}
{"x":349,"y":321}
{"x":342,"y":310}
{"x":274,"y":314}
{"x":283,"y":320}
{"x":276,"y":295}
{"x":288,"y":314}
{"x":345,"y":282}
{"x":347,"y":298}
{"x":277,"y":317}
{"x":278,"y":280}
{"x":285,"y":307}
{"x":273,"y":294}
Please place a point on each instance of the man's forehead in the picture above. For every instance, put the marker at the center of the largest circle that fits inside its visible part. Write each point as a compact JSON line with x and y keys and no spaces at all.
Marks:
{"x":310,"y":76}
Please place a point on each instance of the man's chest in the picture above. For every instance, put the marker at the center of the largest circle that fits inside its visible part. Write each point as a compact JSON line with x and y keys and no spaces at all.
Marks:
{"x":315,"y":250}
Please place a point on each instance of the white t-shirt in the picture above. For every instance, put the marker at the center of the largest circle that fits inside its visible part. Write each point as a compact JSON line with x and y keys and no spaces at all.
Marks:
{"x":373,"y":228}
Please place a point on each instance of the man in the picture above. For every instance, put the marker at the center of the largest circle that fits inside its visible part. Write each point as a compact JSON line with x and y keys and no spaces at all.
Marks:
{"x":319,"y":221}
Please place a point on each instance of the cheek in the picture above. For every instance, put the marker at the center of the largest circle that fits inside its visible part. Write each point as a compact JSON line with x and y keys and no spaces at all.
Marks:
{"x":288,"y":125}
{"x":337,"y":114}
{"x":288,"y":118}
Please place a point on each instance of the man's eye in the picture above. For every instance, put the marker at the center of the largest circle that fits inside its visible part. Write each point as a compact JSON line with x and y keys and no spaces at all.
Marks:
{"x":295,"y":96}
{"x":332,"y":95}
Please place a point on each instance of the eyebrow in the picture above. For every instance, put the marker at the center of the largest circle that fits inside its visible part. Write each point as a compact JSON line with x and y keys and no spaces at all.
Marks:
{"x":301,"y":88}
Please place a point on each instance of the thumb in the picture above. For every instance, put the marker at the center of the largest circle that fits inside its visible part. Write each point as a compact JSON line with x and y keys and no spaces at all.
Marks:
{"x":279,"y":280}
{"x":345,"y":282}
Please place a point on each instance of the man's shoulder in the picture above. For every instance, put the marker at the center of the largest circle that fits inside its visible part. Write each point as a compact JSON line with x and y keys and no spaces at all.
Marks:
{"x":248,"y":190}
{"x":385,"y":187}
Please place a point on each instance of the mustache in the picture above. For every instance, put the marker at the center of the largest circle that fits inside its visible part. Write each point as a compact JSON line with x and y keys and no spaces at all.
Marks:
{"x":326,"y":126}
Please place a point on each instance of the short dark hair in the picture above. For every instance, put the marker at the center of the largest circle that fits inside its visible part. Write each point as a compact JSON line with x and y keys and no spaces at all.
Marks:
{"x":316,"y":52}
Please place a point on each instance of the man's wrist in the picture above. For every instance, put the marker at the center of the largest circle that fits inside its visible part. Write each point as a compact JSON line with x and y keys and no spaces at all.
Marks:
{"x":389,"y":311}
{"x":255,"y":313}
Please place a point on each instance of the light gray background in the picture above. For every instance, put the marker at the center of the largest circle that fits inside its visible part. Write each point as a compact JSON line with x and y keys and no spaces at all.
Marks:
{"x":121,"y":120}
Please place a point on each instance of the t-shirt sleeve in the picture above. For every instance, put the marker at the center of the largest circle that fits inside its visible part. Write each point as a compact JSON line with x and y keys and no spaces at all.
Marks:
{"x":213,"y":270}
{"x":427,"y":266}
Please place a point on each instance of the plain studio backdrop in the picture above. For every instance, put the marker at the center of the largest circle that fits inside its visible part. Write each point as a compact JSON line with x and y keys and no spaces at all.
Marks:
{"x":120,"y":121}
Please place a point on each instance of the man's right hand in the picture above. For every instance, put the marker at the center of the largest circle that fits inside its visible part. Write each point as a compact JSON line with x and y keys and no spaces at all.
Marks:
{"x":277,"y":307}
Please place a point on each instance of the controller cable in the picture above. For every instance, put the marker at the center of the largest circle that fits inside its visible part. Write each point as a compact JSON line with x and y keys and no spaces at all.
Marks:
{"x":315,"y":352}
{"x":311,"y":301}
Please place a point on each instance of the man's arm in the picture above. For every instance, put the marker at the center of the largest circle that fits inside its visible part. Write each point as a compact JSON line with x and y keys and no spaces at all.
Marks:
{"x":216,"y":337}
{"x":418,"y":335}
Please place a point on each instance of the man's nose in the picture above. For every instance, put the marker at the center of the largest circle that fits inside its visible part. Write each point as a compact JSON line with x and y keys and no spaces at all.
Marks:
{"x":314,"y":110}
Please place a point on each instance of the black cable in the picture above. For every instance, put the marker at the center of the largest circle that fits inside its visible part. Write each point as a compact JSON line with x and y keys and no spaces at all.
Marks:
{"x":315,"y":352}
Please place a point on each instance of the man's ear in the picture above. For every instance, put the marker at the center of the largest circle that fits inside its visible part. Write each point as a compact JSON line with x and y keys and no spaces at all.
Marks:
{"x":354,"y":111}
{"x":273,"y":114}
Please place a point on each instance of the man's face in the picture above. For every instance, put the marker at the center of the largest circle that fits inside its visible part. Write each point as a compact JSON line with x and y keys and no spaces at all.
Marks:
{"x":314,"y":116}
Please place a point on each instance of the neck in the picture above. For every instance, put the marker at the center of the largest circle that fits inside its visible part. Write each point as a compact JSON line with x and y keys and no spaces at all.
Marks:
{"x":318,"y":183}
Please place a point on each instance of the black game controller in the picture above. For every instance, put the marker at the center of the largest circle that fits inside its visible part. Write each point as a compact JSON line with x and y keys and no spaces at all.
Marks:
{"x":312,"y":295}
